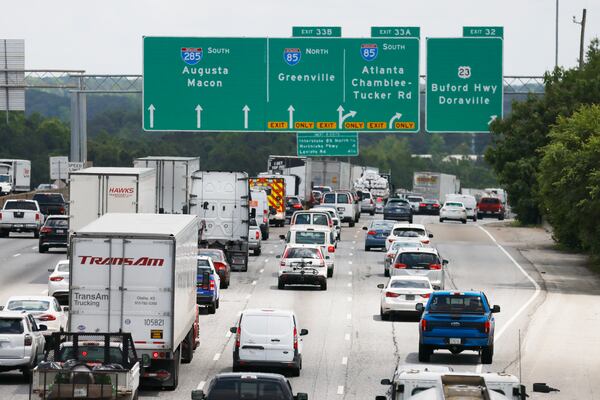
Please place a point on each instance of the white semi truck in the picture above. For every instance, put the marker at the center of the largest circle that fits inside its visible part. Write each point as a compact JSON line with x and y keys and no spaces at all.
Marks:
{"x":435,"y":185}
{"x":173,"y":181}
{"x":15,"y":176}
{"x":94,"y":192}
{"x":136,"y":273}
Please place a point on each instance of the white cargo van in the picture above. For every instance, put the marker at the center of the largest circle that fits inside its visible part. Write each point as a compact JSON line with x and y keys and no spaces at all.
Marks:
{"x":173,"y":181}
{"x":94,"y":192}
{"x":268,"y":338}
{"x":136,"y":273}
{"x":259,"y":201}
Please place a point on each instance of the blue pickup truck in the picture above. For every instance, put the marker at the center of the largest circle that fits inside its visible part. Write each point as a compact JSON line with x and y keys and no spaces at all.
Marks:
{"x":457,"y":321}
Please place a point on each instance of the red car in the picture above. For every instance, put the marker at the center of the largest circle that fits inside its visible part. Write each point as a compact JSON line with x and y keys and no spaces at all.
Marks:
{"x":490,"y":207}
{"x":221,"y":265}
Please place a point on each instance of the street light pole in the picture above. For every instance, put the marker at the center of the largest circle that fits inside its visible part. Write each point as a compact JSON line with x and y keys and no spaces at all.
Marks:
{"x":582,"y":39}
{"x":556,"y":38}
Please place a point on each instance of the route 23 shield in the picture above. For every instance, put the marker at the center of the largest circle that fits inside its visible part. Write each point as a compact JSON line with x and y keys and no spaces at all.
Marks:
{"x":368,"y":51}
{"x":191,"y":55}
{"x":292,"y":56}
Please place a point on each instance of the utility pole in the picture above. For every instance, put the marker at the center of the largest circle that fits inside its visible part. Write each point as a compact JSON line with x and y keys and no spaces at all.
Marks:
{"x":556,"y":38}
{"x":582,"y":39}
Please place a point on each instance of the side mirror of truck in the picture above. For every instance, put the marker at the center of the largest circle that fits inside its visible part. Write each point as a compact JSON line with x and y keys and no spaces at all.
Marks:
{"x":145,"y":361}
{"x":302,"y":396}
{"x":198,"y":395}
{"x":42,"y":327}
{"x":419,"y":307}
{"x":364,"y":228}
{"x":233,"y":329}
{"x":381,"y":286}
{"x":386,"y":382}
{"x":65,"y":308}
{"x":430,"y":235}
{"x":496,"y":309}
{"x":303,"y":332}
{"x":282,"y":237}
{"x":543,"y":388}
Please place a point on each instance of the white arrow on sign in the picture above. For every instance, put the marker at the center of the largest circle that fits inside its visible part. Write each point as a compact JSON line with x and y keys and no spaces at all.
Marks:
{"x":291,"y":110}
{"x":151,"y":109}
{"x":198,"y":116}
{"x":245,"y":110}
{"x":492,"y":119}
{"x":396,"y":116}
{"x":342,"y":117}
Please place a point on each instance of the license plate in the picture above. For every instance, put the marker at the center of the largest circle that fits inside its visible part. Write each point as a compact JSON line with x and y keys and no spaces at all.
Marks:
{"x":410,"y":297}
{"x":454,"y":341}
{"x":61,"y":231}
{"x":488,"y":212}
{"x":79,"y":392}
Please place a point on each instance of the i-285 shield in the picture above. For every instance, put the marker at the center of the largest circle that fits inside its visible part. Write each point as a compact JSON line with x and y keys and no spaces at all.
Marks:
{"x":292,"y":56}
{"x":191,"y":55}
{"x":368,"y":51}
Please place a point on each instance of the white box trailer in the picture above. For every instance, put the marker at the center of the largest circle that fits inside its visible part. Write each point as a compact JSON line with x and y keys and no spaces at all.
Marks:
{"x":15,"y":176}
{"x":299,"y":167}
{"x":434,"y":185}
{"x":221,"y":200}
{"x":94,"y":192}
{"x":136,"y":273}
{"x":173,"y":181}
{"x":336,"y":174}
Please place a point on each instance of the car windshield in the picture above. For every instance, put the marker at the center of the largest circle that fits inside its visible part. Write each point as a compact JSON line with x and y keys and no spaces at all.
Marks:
{"x":48,"y":198}
{"x":28,"y":305}
{"x":456,"y":304}
{"x":405,"y":284}
{"x":343,"y":198}
{"x":417,"y":260}
{"x":453,"y":204}
{"x":365,"y":195}
{"x":308,"y":237}
{"x":414,"y":199}
{"x":383,"y":224}
{"x":292,"y":200}
{"x":214,"y":254}
{"x":57,"y":222}
{"x":11,"y":326}
{"x":302,"y":253}
{"x":409,"y":232}
{"x":329,"y":198}
{"x":62,"y":267}
{"x":4,"y":178}
{"x":20,"y":205}
{"x":246,"y":389}
{"x":398,"y":244}
{"x":91,"y":354}
{"x":397,"y":202}
{"x":203,"y":263}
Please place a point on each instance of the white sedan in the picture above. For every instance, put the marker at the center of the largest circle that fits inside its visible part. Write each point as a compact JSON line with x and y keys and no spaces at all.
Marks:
{"x":44,"y":309}
{"x":402,"y":293}
{"x":453,"y":210}
{"x":58,"y":282}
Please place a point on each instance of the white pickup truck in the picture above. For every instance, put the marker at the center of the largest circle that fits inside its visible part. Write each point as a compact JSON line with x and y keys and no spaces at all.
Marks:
{"x":20,"y":216}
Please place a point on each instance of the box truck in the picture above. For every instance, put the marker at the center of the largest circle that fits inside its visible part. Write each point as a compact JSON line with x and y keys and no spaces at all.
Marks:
{"x":274,"y":186}
{"x":173,"y":181}
{"x":136,"y":273}
{"x":221,"y":200}
{"x":298,"y":167}
{"x":434,"y":185}
{"x":15,"y":176}
{"x":94,"y":192}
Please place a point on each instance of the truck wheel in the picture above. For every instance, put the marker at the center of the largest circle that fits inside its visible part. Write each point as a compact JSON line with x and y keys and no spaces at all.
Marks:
{"x":479,"y":215}
{"x":410,"y":221}
{"x":36,"y":234}
{"x":4,"y":233}
{"x":372,"y":213}
{"x":187,"y":353}
{"x":266,"y":236}
{"x":218,"y":303}
{"x":464,"y":221}
{"x":175,"y":371}
{"x":43,"y":249}
{"x":501,"y":217}
{"x":442,"y":220}
{"x":212,"y":308}
{"x":367,"y":248}
{"x":280,"y":285}
{"x":329,"y":272}
{"x":487,"y":354}
{"x":324,"y":285}
{"x":257,"y":252}
{"x":351,"y":224}
{"x":386,"y":272}
{"x":424,"y":353}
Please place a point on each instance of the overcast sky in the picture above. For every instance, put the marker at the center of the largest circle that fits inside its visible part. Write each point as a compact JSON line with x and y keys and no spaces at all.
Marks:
{"x":105,"y":37}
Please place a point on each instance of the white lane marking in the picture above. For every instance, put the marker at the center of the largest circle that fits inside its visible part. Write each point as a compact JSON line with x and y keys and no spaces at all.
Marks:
{"x":271,"y":252}
{"x":340,"y":390}
{"x":350,"y":254}
{"x":350,"y":262}
{"x":247,"y":297}
{"x":347,"y":336}
{"x":201,"y":385}
{"x":354,"y":242}
{"x":537,"y":291}
{"x":217,"y":356}
{"x":34,"y":248}
{"x":266,"y":260}
{"x":16,"y":255}
{"x":254,"y":282}
{"x":228,"y":334}
{"x":349,"y":272}
{"x":344,"y":360}
{"x":261,"y":271}
{"x":349,"y":298}
{"x":349,"y":284}
{"x":348,"y":316}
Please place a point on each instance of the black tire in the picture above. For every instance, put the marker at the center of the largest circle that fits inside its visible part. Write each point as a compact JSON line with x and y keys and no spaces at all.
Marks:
{"x":351,"y":224}
{"x":43,"y":249}
{"x":464,"y":221}
{"x":384,"y":316}
{"x":386,"y":272}
{"x":280,"y":285}
{"x":266,"y":236}
{"x":329,"y":272}
{"x":372,"y":213}
{"x":487,"y":354}
{"x":4,"y":233}
{"x":36,"y":234}
{"x":501,"y":217}
{"x":224,"y":284}
{"x":212,"y":308}
{"x":175,"y":372}
{"x":442,"y":220}
{"x":410,"y":221}
{"x":236,"y":368}
{"x":295,"y":372}
{"x":187,"y":351}
{"x":257,"y":252}
{"x":324,"y":285}
{"x":27,"y":372}
{"x":424,"y":353}
{"x":479,"y":215}
{"x":367,"y":248}
{"x":218,"y":303}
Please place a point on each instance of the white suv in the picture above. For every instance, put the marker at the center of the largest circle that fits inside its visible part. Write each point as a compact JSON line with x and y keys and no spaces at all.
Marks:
{"x":21,"y":342}
{"x":302,"y":264}
{"x":420,"y":261}
{"x":315,"y":235}
{"x":344,"y":204}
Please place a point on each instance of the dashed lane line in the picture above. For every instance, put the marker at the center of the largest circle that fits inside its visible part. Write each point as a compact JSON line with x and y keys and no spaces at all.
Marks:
{"x":344,"y":360}
{"x":217,"y":356}
{"x":340,"y":390}
{"x":201,"y":385}
{"x":16,"y":255}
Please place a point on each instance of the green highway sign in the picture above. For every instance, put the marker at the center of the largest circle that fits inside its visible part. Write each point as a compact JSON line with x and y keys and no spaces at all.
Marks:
{"x":317,"y":31}
{"x":281,"y":85}
{"x":483,"y":31}
{"x":317,"y":144}
{"x":464,"y":84}
{"x":396,"y":31}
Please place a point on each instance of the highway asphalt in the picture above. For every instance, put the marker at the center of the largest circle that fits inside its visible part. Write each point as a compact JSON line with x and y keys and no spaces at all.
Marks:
{"x":349,"y":349}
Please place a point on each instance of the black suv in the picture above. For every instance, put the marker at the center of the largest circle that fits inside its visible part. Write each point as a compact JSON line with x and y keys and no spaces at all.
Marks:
{"x":54,"y":233}
{"x":51,"y":203}
{"x":248,"y":385}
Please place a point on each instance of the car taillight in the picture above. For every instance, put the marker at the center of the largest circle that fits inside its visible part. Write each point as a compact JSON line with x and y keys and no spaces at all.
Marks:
{"x":426,"y":295}
{"x":297,"y":206}
{"x":486,"y":326}
{"x":422,"y":205}
{"x":295,"y":339}
{"x":423,"y":325}
{"x":212,"y":283}
{"x":62,"y":210}
{"x":372,"y":233}
{"x":436,"y":206}
{"x":238,"y":333}
{"x":425,"y":241}
{"x":257,"y":235}
{"x":0,"y":216}
{"x":56,"y":278}
{"x":37,"y":216}
{"x":391,"y":294}
{"x":331,"y":249}
{"x":45,"y":229}
{"x":435,"y":266}
{"x":399,"y":266}
{"x":46,"y":317}
{"x":28,"y":340}
{"x":282,"y":264}
{"x":390,"y":240}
